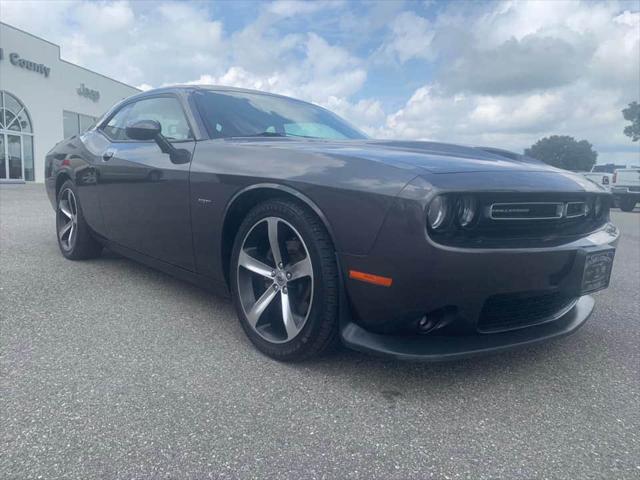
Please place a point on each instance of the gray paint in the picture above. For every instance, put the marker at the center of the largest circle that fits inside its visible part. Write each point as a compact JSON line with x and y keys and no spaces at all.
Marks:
{"x":371,"y":194}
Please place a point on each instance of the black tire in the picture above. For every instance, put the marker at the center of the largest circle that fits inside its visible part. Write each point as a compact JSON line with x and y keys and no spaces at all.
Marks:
{"x":627,"y":204}
{"x":321,"y":327}
{"x":81,"y":245}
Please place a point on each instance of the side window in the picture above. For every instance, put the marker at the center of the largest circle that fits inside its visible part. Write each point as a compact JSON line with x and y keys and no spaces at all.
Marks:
{"x":115,"y":128}
{"x":166,"y":111}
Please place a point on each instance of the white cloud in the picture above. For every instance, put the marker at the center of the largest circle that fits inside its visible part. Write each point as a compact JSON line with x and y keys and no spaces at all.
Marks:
{"x":125,"y":40}
{"x":503,"y":73}
{"x":327,"y":75}
{"x":533,"y":62}
{"x":513,"y":121}
{"x":105,"y":18}
{"x":367,"y":114}
{"x":523,"y":70}
{"x":515,"y":47}
{"x":616,"y":61}
{"x":289,"y":8}
{"x":411,"y":37}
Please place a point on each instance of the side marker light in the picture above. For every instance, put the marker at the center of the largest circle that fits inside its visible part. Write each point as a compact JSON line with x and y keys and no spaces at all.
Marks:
{"x":370,"y":278}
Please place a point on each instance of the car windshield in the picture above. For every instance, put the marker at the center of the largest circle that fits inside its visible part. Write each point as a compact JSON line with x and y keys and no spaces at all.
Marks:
{"x":241,"y":114}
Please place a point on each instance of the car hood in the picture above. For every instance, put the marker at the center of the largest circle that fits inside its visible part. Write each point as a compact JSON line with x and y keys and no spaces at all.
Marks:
{"x":431,"y":157}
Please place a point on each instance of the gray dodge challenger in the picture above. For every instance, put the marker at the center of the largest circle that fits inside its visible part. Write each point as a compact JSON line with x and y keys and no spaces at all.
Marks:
{"x":412,"y":249}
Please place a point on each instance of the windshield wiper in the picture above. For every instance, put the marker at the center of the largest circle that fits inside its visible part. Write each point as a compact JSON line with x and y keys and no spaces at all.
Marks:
{"x":275,"y":134}
{"x":265,"y":134}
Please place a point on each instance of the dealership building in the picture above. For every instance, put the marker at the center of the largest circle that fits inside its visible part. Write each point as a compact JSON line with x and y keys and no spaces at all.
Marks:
{"x":44,"y":99}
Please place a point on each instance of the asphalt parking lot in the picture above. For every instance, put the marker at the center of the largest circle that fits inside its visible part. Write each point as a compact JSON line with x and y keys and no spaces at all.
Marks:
{"x":109,"y":369}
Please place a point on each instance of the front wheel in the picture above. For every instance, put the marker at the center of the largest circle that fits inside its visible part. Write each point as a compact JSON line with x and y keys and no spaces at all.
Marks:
{"x":74,"y":235}
{"x":627,"y":204}
{"x":284,"y":281}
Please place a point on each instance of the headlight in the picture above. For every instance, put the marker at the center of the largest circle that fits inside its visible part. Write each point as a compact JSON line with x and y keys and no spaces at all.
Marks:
{"x":466,"y":207}
{"x":437,"y":212}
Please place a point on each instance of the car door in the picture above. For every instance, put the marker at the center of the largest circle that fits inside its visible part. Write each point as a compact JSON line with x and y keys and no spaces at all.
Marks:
{"x":144,"y":196}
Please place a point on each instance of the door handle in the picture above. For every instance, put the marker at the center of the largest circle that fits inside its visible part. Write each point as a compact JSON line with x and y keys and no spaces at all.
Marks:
{"x":108,"y":154}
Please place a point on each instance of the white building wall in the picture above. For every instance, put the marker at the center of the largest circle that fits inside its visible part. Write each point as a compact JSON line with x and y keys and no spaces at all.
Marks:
{"x":45,"y":97}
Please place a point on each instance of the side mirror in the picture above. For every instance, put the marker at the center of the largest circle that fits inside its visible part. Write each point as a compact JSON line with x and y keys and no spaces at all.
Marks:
{"x":143,"y":130}
{"x":151,"y":130}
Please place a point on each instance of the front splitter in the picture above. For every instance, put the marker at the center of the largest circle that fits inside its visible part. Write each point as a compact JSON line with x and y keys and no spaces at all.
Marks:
{"x":436,"y":348}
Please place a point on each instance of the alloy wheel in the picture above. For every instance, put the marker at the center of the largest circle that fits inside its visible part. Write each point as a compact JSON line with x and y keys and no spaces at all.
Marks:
{"x":275,"y":280}
{"x":67,"y":219}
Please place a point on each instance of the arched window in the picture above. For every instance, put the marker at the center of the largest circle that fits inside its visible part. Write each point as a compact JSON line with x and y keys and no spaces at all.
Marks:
{"x":16,"y":139}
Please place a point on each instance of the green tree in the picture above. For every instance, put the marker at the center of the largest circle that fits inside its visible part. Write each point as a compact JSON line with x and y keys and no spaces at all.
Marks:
{"x":632,"y":114}
{"x":565,"y":152}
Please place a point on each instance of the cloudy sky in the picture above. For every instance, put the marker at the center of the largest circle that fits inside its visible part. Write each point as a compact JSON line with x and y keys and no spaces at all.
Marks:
{"x":494,"y":73}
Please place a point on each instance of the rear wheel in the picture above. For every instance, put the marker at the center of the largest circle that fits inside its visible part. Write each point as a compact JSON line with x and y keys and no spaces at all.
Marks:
{"x":74,"y":235}
{"x":627,"y":204}
{"x":284,"y":281}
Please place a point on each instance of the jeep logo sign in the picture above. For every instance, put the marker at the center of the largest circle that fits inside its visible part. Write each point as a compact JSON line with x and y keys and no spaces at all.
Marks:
{"x":88,"y":93}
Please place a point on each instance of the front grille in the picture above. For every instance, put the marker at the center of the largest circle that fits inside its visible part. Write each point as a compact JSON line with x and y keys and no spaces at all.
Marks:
{"x":517,"y":310}
{"x":526,"y":211}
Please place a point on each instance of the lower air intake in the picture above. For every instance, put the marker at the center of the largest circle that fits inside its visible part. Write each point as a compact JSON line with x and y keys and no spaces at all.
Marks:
{"x":518,"y":310}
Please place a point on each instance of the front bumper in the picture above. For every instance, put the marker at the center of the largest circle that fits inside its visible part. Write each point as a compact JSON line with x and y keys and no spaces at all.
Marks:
{"x":625,"y":191}
{"x":443,"y":348}
{"x":430,"y":278}
{"x":622,"y":193}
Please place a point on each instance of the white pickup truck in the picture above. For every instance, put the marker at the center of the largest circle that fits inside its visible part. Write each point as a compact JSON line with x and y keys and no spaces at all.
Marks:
{"x":602,"y":174}
{"x":625,"y":187}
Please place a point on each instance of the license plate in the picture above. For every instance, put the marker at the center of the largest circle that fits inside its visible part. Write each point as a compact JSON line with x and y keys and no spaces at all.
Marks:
{"x":597,"y":270}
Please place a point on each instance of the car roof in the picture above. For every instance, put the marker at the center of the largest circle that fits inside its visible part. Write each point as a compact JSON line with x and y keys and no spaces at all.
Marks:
{"x":212,"y":88}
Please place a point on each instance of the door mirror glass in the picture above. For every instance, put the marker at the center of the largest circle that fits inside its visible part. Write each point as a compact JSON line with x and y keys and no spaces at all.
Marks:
{"x":143,"y":130}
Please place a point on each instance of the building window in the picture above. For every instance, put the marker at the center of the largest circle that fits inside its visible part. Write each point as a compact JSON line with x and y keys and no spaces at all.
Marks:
{"x":16,"y":140}
{"x":76,"y":123}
